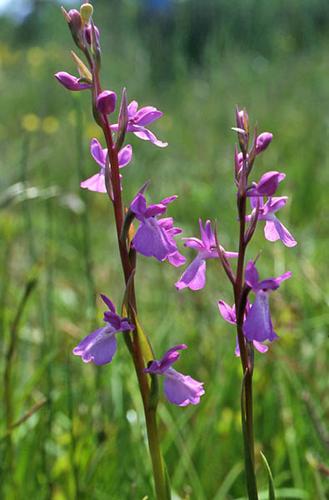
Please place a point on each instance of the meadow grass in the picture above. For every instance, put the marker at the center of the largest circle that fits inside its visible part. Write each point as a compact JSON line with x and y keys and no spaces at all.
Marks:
{"x":87,"y":438}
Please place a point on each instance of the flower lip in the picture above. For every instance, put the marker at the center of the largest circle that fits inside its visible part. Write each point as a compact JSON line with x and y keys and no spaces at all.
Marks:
{"x":179,"y":389}
{"x":228,"y":314}
{"x":182,"y":390}
{"x":258,"y":324}
{"x":154,"y":238}
{"x":274,"y":229}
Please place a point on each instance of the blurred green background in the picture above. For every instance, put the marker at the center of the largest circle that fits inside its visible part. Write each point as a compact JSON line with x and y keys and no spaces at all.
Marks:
{"x":80,"y":431}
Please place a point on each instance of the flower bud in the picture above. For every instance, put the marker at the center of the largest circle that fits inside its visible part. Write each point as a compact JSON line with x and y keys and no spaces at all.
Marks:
{"x":71,"y":82}
{"x":123,"y":120}
{"x":106,"y":102}
{"x":74,"y":21}
{"x":242,"y":120}
{"x":242,"y":124}
{"x":88,"y":34}
{"x":263,"y":141}
{"x":86,"y":11}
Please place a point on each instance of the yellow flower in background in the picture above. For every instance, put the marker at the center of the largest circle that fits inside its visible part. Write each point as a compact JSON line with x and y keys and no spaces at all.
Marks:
{"x":93,"y":130}
{"x":72,"y":118}
{"x":8,"y":56}
{"x":30,"y":122}
{"x":50,"y":125}
{"x":35,"y":56}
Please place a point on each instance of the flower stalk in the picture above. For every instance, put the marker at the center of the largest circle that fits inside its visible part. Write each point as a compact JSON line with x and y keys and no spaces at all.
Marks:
{"x":252,"y":321}
{"x":246,"y":351}
{"x":153,"y":238}
{"x":112,"y":180}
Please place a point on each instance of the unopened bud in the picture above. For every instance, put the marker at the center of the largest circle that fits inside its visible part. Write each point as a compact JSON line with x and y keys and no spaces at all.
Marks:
{"x":242,"y":123}
{"x":236,"y":163}
{"x":106,"y":102}
{"x":88,"y":34}
{"x":242,"y":120}
{"x":263,"y":141}
{"x":122,"y":121}
{"x":74,"y":21}
{"x":86,"y":11}
{"x":71,"y":82}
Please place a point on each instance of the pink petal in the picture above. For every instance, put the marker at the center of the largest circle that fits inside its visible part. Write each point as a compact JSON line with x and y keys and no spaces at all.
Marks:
{"x":132,"y":108}
{"x":274,"y":230}
{"x":260,"y":347}
{"x":97,"y":152}
{"x":194,"y":276}
{"x":147,"y":115}
{"x":98,"y":347}
{"x":251,"y":275}
{"x":147,"y":135}
{"x":152,"y":241}
{"x":182,"y":390}
{"x":95,"y":183}
{"x":176,"y":259}
{"x":125,"y":155}
{"x":227,"y":312}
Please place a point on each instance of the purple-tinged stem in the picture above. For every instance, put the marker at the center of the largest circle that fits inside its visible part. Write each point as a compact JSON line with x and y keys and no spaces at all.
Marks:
{"x":240,"y":297}
{"x":162,"y":492}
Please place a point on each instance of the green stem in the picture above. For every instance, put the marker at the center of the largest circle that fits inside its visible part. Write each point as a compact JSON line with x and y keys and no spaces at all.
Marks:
{"x":162,"y":491}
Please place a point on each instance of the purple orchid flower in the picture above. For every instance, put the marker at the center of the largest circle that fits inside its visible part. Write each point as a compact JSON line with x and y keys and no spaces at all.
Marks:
{"x":267,"y":185}
{"x":100,"y":346}
{"x":194,"y":277}
{"x":137,"y":121}
{"x":274,"y":229}
{"x":154,"y":237}
{"x":97,"y":182}
{"x":263,"y":141}
{"x":228,"y":314}
{"x":179,"y":389}
{"x":71,"y":82}
{"x":258,"y":324}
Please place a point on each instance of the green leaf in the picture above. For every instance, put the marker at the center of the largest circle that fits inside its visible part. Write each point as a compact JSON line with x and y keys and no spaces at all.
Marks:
{"x":145,"y":344}
{"x":271,"y":491}
{"x":129,"y":311}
